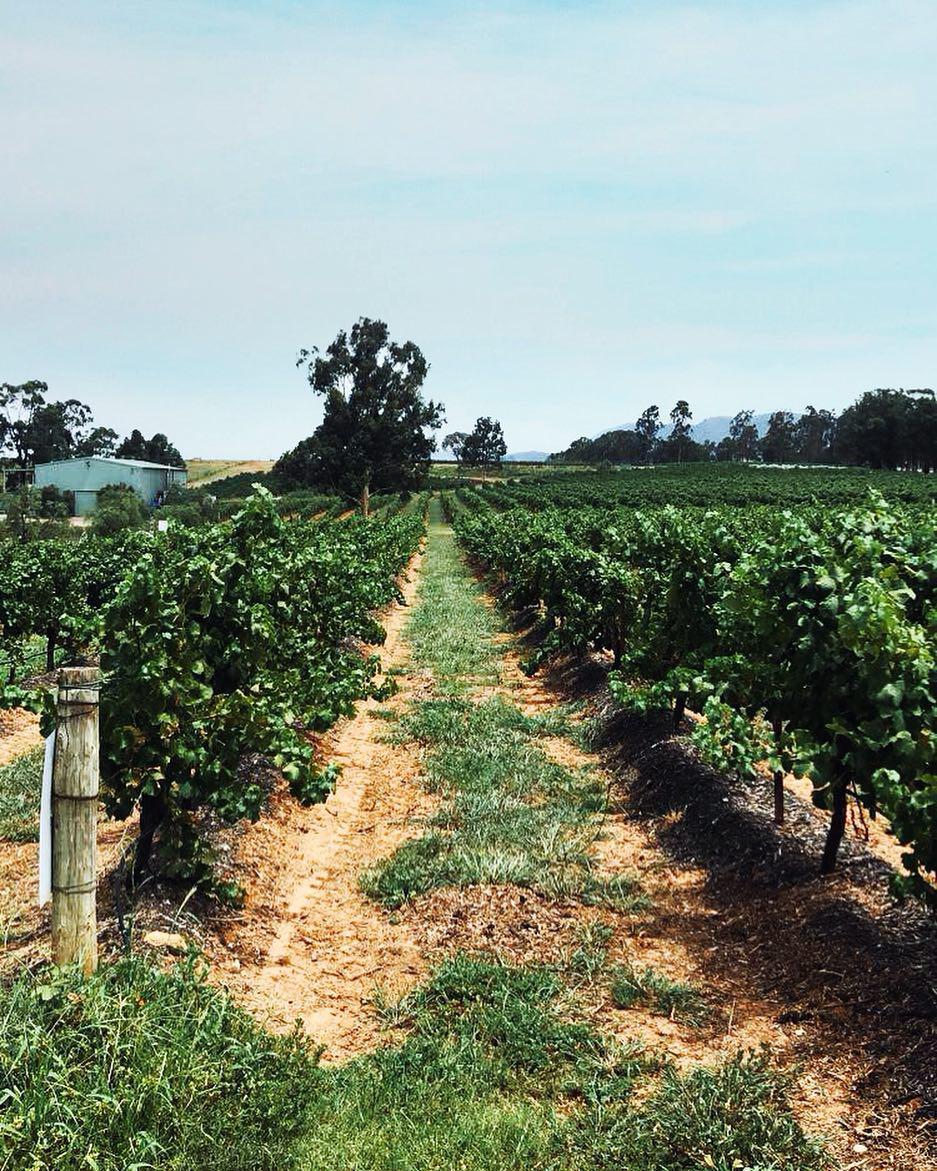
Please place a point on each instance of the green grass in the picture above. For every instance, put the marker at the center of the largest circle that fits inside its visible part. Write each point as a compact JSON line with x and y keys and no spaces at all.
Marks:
{"x":735,"y":1117}
{"x":670,"y":998}
{"x":138,"y":1069}
{"x":510,"y":814}
{"x":589,"y":958}
{"x":20,"y":783}
{"x":491,"y":1064}
{"x":496,"y":1073}
{"x":450,"y":633}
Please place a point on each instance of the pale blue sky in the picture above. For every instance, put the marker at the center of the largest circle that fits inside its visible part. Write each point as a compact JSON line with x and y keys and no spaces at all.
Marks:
{"x":576,"y":209}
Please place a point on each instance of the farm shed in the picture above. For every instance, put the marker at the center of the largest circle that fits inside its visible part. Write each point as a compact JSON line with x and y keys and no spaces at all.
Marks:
{"x":85,"y":477}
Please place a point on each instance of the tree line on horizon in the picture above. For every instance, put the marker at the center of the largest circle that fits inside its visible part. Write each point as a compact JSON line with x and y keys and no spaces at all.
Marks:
{"x":885,"y":428}
{"x":376,"y":431}
{"x":35,"y":430}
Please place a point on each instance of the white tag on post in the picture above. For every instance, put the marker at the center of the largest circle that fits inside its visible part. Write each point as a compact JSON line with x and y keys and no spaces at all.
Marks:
{"x":45,"y":824}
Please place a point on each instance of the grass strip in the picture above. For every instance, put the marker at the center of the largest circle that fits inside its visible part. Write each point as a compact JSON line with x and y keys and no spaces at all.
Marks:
{"x":20,"y":783}
{"x":450,"y":632}
{"x":510,"y":814}
{"x":496,"y":1073}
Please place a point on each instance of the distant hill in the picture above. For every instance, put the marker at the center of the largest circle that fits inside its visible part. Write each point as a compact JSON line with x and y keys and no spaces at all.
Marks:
{"x":711,"y":430}
{"x":526,"y":457}
{"x":210,"y":471}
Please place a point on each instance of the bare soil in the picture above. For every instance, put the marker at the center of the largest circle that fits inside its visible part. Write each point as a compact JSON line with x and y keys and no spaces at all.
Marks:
{"x":308,"y":946}
{"x":19,"y":733}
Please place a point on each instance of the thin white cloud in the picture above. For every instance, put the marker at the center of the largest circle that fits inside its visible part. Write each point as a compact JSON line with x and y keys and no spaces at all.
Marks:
{"x":202,"y":188}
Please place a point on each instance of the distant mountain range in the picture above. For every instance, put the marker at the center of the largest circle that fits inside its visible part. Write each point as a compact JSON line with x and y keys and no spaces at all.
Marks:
{"x":711,"y":430}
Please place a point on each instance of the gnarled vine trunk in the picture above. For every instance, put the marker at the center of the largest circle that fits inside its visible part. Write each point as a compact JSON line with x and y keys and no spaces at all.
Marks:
{"x":837,"y":825}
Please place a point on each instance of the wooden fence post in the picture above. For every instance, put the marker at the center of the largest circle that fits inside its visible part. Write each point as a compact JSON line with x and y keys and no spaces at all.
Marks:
{"x":74,"y":820}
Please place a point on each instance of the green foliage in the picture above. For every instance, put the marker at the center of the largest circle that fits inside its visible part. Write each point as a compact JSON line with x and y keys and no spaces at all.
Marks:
{"x":157,"y":450}
{"x":214,"y":641}
{"x":484,"y":446}
{"x":373,"y":436}
{"x":135,"y":1068}
{"x":833,"y":612}
{"x":189,"y":507}
{"x":237,"y":639}
{"x":118,"y":508}
{"x":31,"y":512}
{"x":888,"y":428}
{"x":20,"y":782}
{"x":36,"y":431}
{"x":47,"y":593}
{"x":710,"y":485}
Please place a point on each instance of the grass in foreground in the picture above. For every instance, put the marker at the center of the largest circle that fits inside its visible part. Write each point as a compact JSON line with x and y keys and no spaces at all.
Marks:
{"x":138,"y":1069}
{"x":20,"y":782}
{"x":496,"y":1073}
{"x":511,"y":815}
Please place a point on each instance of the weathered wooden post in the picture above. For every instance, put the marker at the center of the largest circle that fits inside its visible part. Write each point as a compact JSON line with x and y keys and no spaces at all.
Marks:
{"x":74,"y":820}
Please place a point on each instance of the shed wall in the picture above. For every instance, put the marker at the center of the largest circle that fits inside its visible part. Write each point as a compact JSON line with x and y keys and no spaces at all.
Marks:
{"x":85,"y":477}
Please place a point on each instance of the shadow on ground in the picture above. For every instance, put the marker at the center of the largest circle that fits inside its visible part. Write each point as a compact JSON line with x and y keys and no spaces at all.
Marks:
{"x":857,"y":968}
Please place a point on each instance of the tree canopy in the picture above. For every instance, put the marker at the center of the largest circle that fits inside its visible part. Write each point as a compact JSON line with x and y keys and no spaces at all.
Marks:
{"x":889,"y":428}
{"x":884,"y":428}
{"x":373,"y":436}
{"x":157,"y":450}
{"x":454,"y":442}
{"x":646,"y":429}
{"x":34,"y":430}
{"x":485,"y":446}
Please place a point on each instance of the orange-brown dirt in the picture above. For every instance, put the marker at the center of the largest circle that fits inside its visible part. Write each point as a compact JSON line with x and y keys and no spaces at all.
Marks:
{"x":308,"y":946}
{"x":19,"y":732}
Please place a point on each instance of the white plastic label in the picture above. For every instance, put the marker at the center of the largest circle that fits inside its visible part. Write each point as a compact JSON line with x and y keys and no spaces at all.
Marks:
{"x":45,"y":824}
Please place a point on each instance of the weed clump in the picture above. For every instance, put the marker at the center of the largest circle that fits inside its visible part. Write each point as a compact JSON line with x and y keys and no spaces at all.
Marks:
{"x":670,"y":998}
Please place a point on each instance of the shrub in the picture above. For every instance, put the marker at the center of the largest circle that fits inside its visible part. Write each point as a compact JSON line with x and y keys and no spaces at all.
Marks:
{"x":118,"y":508}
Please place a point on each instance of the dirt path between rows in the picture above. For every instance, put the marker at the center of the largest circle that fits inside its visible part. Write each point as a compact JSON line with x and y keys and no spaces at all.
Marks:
{"x":324,"y":945}
{"x":19,"y":733}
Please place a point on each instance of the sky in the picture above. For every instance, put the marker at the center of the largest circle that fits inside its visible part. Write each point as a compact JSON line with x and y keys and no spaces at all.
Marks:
{"x":575,"y":209}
